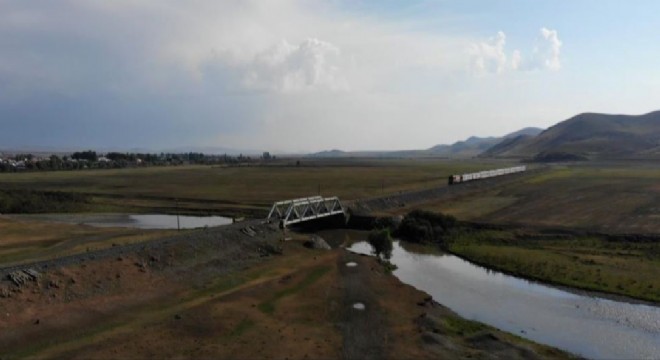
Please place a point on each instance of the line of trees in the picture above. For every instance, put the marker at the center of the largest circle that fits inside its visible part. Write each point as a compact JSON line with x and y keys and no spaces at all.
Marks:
{"x":114,"y":160}
{"x":88,"y":155}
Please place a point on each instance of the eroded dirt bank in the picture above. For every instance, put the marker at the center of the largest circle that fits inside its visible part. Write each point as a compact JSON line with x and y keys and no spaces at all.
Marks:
{"x":229,"y":294}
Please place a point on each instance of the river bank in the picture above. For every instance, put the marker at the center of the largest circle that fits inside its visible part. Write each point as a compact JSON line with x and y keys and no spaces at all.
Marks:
{"x":589,"y":326}
{"x":623,"y":266}
{"x":616,"y":268}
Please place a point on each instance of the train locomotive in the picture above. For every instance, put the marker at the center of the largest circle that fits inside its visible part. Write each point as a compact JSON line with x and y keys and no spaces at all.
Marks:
{"x":457,"y":179}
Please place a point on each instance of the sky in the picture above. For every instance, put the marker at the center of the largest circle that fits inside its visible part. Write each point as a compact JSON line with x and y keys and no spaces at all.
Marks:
{"x":309,"y":75}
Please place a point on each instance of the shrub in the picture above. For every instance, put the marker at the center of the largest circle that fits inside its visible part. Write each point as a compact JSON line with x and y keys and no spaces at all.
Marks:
{"x":426,"y":227}
{"x":384,"y":223}
{"x":381,"y":242}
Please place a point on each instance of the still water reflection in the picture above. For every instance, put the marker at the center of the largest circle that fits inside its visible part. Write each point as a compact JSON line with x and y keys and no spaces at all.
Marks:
{"x":140,"y":221}
{"x":588,"y":326}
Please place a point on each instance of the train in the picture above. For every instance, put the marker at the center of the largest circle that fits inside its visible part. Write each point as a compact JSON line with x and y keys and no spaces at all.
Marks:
{"x":457,"y":179}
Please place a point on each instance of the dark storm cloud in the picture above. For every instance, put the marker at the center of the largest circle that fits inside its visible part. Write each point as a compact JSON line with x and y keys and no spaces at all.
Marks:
{"x":77,"y":74}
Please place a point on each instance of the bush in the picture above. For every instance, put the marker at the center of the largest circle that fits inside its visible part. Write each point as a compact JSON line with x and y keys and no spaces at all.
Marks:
{"x":381,"y":242}
{"x":426,"y":227}
{"x":384,"y":223}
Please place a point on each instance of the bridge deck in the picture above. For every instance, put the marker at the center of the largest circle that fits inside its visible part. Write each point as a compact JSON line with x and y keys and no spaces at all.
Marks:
{"x":294,"y":211}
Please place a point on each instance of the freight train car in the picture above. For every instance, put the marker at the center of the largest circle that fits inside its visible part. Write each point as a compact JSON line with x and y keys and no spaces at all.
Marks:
{"x":457,"y":179}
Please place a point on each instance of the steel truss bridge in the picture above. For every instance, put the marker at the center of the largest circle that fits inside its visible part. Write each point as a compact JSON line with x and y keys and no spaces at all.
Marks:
{"x":304,"y":209}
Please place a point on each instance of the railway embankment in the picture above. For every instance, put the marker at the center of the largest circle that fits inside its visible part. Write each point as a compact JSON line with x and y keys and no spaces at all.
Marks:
{"x":244,"y":237}
{"x":372,"y":206}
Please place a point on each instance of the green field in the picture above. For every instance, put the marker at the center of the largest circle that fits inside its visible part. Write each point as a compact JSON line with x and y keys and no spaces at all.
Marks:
{"x":618,"y":267}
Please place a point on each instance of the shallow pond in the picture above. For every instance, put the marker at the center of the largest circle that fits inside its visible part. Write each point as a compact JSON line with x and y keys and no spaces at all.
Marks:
{"x":140,"y":221}
{"x":589,"y":326}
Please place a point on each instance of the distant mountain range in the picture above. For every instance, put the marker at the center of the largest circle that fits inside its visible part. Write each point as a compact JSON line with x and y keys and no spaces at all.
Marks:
{"x":470,"y":147}
{"x":589,"y":135}
{"x":474,"y":146}
{"x":582,"y":137}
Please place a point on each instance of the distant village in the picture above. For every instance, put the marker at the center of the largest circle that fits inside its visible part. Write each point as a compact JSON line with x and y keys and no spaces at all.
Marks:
{"x":116,"y":160}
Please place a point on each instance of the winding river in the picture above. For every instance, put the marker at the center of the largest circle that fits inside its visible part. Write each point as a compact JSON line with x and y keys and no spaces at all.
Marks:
{"x":589,"y":326}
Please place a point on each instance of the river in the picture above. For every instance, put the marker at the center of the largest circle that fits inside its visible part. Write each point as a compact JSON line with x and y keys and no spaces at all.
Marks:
{"x":140,"y":221}
{"x":589,"y":326}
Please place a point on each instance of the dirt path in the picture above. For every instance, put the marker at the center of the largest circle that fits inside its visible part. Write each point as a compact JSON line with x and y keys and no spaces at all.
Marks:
{"x":364,"y":331}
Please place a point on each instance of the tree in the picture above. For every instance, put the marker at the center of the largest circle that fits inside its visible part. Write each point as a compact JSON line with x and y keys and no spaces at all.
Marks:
{"x":115,"y":156}
{"x":426,"y":227}
{"x":88,"y":155}
{"x":55,"y":162}
{"x":381,"y":242}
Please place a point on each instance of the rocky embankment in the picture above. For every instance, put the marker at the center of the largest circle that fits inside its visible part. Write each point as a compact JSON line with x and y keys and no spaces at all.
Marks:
{"x":241,"y":238}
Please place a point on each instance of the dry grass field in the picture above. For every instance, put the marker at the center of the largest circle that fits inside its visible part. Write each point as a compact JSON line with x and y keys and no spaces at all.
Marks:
{"x":27,"y":240}
{"x":299,"y":305}
{"x":236,"y":190}
{"x":612,"y":198}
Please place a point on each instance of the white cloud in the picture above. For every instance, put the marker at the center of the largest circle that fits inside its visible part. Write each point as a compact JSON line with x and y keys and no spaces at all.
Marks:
{"x":516,"y":59}
{"x":548,"y":52}
{"x":491,"y":56}
{"x":488,"y":56}
{"x":313,"y":64}
{"x":250,"y":72}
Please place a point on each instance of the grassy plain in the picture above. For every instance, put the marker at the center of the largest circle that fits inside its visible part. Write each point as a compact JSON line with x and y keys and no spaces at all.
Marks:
{"x":233,"y":191}
{"x":245,"y":189}
{"x":612,"y":266}
{"x":612,"y":198}
{"x":276,"y":307}
{"x":609,"y":197}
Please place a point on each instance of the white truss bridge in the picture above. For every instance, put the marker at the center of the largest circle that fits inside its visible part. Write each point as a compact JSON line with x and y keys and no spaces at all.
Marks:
{"x":304,"y":209}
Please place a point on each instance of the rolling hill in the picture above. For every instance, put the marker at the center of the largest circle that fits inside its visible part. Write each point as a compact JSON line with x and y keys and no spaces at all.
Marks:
{"x":591,"y":135}
{"x":474,"y":146}
{"x":470,"y":147}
